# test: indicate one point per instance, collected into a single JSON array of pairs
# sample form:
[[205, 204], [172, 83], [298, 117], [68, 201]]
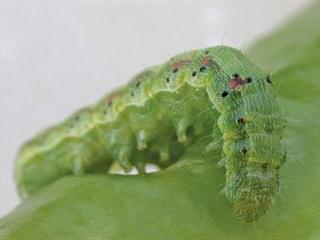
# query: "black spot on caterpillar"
[[269, 79], [224, 94], [155, 118]]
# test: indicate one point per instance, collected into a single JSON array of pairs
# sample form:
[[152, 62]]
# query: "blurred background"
[[57, 56]]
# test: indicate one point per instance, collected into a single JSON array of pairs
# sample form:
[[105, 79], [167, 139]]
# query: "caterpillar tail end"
[[250, 209]]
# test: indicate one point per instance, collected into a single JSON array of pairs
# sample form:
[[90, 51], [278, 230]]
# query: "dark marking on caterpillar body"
[[269, 79], [155, 118]]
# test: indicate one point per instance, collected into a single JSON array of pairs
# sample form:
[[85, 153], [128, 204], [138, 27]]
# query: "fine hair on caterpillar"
[[214, 96]]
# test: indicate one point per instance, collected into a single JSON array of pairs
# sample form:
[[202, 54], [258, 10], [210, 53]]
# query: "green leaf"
[[185, 201]]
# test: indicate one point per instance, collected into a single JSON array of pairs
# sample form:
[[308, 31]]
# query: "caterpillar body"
[[154, 119]]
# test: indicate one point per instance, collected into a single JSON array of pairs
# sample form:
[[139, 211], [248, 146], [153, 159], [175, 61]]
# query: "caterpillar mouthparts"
[[252, 207], [254, 195]]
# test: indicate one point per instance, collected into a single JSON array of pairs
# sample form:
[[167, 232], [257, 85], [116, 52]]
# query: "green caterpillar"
[[159, 114]]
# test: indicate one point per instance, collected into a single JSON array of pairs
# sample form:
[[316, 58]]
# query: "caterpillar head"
[[256, 187]]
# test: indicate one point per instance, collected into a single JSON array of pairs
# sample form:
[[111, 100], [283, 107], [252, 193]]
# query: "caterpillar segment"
[[214, 93], [252, 126]]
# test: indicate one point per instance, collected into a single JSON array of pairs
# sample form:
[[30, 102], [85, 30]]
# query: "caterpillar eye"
[[194, 73], [264, 165]]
